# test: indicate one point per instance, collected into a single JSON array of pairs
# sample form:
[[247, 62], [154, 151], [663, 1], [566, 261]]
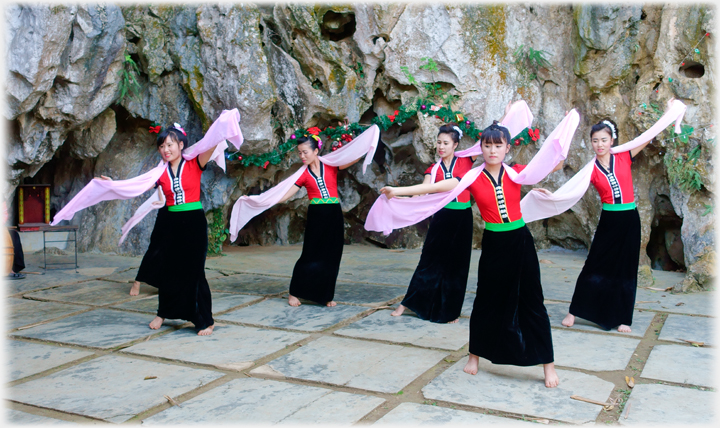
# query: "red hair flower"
[[314, 130]]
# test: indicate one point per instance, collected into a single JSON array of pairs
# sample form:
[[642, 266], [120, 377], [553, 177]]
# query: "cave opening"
[[692, 69], [665, 247], [337, 26]]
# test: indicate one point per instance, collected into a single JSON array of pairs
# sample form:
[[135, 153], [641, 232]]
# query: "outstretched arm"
[[419, 189], [637, 149], [293, 190], [204, 157], [350, 164]]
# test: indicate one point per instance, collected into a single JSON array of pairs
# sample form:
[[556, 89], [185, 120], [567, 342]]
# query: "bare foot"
[[293, 301], [454, 322], [330, 304], [551, 378], [569, 320], [472, 365], [624, 328], [206, 331], [156, 323], [399, 311], [135, 289]]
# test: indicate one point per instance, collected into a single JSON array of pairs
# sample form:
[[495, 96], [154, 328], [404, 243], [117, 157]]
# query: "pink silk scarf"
[[248, 207], [226, 127], [518, 118], [537, 205], [388, 214]]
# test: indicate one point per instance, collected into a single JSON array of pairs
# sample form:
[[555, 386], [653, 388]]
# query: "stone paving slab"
[[354, 363], [595, 352], [558, 310], [467, 306], [366, 294], [306, 317], [96, 293], [697, 329], [229, 347], [694, 303], [250, 284], [16, 417], [128, 275], [409, 329], [521, 390], [22, 312], [652, 405], [423, 414], [111, 387], [101, 328], [259, 401], [26, 359], [220, 302], [681, 364], [89, 269]]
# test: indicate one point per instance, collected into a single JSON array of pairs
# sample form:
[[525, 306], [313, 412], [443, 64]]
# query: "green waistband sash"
[[318, 201], [504, 227], [455, 205], [619, 207], [190, 206]]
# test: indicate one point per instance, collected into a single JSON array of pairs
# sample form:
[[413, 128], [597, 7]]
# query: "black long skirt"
[[316, 272], [150, 270], [605, 290], [184, 292], [509, 323], [437, 288]]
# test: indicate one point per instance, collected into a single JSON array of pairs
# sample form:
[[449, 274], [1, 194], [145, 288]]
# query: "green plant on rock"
[[217, 233], [129, 84], [529, 61]]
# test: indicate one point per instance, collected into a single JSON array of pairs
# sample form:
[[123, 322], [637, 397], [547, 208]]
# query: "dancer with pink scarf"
[[605, 290], [437, 288], [509, 323], [183, 293], [315, 273]]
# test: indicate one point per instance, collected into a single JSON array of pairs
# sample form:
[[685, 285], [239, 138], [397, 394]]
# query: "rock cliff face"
[[70, 116]]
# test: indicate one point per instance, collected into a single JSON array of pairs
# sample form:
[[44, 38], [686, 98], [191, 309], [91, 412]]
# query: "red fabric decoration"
[[155, 129], [314, 130]]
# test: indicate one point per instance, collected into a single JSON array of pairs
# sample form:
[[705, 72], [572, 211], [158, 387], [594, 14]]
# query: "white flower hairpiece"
[[460, 133], [612, 128], [179, 128]]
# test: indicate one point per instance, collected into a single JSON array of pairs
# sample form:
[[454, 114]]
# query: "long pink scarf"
[[248, 207], [518, 118], [536, 205], [388, 214], [226, 127]]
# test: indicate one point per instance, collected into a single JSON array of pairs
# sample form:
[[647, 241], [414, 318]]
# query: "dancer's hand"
[[158, 203], [670, 101], [541, 190], [102, 177], [388, 191]]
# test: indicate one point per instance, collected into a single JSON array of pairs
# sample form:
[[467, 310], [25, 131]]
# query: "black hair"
[[495, 134], [308, 140], [174, 134], [451, 131], [603, 126]]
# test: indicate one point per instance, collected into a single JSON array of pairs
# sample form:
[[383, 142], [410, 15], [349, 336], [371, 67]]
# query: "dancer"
[[437, 288], [315, 273], [605, 290], [183, 289], [509, 323], [316, 270], [184, 292]]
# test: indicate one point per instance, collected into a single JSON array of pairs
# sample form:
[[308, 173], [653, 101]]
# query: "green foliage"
[[408, 75], [528, 61], [708, 209], [359, 70], [217, 233], [129, 84]]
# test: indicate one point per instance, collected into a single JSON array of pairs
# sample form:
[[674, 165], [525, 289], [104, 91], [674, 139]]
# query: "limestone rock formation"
[[286, 66]]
